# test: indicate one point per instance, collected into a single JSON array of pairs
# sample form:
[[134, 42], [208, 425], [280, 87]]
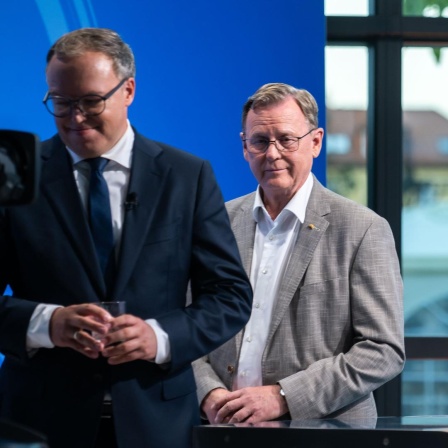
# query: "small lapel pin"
[[313, 227]]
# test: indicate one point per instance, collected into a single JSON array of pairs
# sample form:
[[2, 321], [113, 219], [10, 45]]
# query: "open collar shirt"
[[274, 241]]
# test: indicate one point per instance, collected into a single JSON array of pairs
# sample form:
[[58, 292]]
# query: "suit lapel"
[[244, 230], [243, 226], [147, 183], [59, 187], [312, 230]]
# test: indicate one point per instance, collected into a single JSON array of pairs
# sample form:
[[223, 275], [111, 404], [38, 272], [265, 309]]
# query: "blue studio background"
[[197, 62]]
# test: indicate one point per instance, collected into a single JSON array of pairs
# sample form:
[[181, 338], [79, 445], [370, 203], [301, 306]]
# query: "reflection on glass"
[[346, 7], [346, 100], [425, 8], [425, 388], [424, 222], [425, 192]]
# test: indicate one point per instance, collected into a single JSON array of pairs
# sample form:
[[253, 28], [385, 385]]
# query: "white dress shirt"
[[117, 174], [274, 240]]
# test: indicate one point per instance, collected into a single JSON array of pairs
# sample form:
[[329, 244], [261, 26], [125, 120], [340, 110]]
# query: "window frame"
[[385, 32]]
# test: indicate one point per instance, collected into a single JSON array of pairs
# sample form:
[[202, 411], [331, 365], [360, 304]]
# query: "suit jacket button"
[[230, 369]]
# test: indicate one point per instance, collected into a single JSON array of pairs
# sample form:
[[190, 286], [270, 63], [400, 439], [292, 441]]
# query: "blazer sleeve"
[[377, 352], [206, 378], [15, 314], [220, 289]]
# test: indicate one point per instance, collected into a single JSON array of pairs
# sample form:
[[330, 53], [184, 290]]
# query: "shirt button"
[[271, 237], [264, 271], [257, 305], [249, 339], [243, 373]]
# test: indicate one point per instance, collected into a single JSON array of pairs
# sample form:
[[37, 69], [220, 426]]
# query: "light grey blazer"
[[336, 332]]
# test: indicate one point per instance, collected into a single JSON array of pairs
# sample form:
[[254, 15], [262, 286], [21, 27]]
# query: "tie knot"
[[97, 163]]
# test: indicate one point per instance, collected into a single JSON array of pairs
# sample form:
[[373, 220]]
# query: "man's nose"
[[77, 114], [272, 151]]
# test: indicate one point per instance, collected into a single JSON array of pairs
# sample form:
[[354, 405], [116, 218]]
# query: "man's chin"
[[86, 147]]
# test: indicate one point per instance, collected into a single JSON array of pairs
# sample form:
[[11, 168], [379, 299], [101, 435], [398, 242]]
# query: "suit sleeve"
[[221, 291], [377, 352], [206, 378], [15, 314]]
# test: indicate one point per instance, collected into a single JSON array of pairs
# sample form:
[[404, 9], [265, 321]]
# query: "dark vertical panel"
[[385, 133], [385, 151]]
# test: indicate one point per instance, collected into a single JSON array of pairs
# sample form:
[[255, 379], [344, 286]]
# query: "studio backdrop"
[[197, 63]]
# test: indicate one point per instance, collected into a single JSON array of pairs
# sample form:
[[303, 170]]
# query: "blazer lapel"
[[147, 183], [243, 226], [59, 187], [313, 228]]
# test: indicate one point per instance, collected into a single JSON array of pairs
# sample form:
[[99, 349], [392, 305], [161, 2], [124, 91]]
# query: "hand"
[[129, 338], [209, 403], [71, 326], [251, 405]]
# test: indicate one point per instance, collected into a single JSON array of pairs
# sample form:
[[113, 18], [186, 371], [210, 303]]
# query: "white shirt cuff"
[[38, 334], [163, 343]]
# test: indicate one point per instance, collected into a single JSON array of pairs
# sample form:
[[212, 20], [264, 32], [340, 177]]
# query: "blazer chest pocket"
[[162, 233], [326, 301], [157, 257]]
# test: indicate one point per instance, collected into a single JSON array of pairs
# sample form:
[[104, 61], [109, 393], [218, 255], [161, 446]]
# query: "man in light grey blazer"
[[326, 327]]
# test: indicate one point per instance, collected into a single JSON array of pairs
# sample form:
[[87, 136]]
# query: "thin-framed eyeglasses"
[[287, 143], [88, 105]]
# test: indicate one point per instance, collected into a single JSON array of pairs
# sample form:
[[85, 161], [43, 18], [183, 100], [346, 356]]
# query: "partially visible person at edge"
[[175, 231], [326, 328]]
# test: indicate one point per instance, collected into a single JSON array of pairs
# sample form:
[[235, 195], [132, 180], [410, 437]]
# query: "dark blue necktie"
[[100, 217]]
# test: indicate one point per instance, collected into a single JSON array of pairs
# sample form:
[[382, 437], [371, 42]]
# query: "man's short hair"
[[101, 40], [276, 92]]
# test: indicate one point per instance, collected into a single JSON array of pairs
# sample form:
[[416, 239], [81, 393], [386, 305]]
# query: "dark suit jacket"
[[179, 232]]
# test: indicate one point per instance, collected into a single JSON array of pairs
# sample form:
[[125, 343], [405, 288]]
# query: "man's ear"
[[242, 137], [130, 91], [318, 136]]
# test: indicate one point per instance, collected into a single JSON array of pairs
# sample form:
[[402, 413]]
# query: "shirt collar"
[[297, 204], [120, 153]]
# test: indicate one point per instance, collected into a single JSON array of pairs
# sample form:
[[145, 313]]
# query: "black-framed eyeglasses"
[[287, 143], [88, 105]]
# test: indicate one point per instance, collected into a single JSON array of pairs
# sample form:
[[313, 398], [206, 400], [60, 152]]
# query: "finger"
[[226, 411], [86, 351], [117, 348], [124, 320], [74, 317], [222, 401], [85, 340], [240, 416], [91, 325], [126, 330], [130, 350], [115, 337], [90, 309], [122, 357]]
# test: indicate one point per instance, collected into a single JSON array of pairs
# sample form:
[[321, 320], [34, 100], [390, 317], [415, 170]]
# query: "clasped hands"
[[248, 405], [120, 339]]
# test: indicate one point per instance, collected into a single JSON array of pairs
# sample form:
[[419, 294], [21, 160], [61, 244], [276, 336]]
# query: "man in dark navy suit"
[[167, 228]]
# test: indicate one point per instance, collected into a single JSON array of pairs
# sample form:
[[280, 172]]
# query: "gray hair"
[[101, 40], [274, 93]]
